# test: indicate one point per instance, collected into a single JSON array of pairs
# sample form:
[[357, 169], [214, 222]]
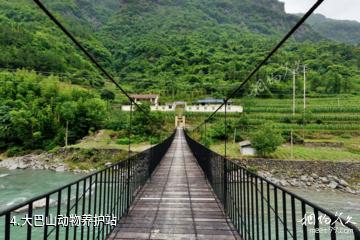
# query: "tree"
[[67, 113], [107, 95], [266, 140]]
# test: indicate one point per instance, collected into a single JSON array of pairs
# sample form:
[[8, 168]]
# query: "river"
[[16, 186], [19, 185]]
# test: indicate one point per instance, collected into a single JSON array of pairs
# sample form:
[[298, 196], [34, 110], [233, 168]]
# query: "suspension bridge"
[[178, 189]]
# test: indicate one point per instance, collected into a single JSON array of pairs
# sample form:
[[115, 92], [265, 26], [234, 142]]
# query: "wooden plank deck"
[[177, 203]]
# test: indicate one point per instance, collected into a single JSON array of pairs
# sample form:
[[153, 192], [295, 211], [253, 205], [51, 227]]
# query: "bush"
[[253, 169], [15, 151], [285, 120], [154, 140], [206, 141], [297, 139], [134, 140], [266, 140]]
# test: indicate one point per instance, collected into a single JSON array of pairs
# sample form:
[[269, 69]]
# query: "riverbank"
[[313, 175], [78, 160]]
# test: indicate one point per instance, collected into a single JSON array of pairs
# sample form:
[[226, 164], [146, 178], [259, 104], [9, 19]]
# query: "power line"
[[91, 58], [265, 60]]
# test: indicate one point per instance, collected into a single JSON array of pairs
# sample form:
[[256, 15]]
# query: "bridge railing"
[[260, 209], [88, 208]]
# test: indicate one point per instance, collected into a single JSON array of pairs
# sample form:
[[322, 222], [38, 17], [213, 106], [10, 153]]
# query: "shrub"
[[266, 140], [15, 151], [253, 169]]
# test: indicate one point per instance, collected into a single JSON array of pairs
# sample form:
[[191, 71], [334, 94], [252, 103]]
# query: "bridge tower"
[[180, 121]]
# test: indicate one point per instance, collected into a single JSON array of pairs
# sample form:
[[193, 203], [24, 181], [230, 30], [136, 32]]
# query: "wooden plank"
[[176, 203]]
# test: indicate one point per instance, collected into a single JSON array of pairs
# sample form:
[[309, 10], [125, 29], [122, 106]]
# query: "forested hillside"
[[181, 48], [172, 46], [338, 30]]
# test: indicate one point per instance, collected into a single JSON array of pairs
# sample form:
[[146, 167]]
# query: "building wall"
[[247, 151], [211, 108], [191, 108]]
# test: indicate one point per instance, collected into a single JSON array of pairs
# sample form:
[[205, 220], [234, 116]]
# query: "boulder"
[[314, 176], [13, 166], [108, 164], [333, 185], [324, 180], [333, 178], [61, 168], [349, 190], [304, 178], [294, 183], [284, 183], [343, 183]]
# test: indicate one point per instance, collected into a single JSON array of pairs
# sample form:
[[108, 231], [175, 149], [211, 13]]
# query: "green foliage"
[[266, 140], [29, 40], [223, 41], [15, 151], [339, 30], [253, 169], [107, 95], [134, 140], [34, 110], [217, 131]]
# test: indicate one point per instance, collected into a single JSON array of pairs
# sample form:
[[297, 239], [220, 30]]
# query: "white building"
[[152, 98], [201, 106], [246, 149]]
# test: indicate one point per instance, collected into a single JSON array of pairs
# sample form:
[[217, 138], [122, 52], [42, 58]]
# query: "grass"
[[232, 149], [315, 154], [334, 119], [348, 153], [106, 139]]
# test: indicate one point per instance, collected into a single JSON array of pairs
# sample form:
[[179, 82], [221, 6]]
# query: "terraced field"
[[328, 129]]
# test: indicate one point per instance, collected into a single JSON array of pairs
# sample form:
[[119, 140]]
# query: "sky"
[[337, 9]]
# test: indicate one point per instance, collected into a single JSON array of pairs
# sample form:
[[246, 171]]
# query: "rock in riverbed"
[[333, 185]]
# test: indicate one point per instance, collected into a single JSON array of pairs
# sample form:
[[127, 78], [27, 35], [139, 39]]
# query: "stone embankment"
[[44, 161], [315, 175], [59, 160]]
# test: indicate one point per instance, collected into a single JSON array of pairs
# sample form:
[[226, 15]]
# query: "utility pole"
[[304, 87], [235, 135], [294, 91], [292, 145]]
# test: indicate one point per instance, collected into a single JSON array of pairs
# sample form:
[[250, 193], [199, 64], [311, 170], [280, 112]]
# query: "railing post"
[[225, 180], [7, 226], [206, 130], [128, 160]]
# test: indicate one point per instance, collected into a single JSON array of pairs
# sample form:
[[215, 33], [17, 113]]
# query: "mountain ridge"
[[344, 31], [163, 45]]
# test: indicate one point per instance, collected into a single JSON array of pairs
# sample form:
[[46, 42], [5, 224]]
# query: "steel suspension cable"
[[91, 58]]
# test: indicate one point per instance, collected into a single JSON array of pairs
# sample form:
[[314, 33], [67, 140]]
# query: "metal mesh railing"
[[87, 208], [260, 209]]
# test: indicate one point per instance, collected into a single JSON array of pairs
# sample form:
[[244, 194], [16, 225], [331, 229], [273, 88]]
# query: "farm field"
[[329, 128]]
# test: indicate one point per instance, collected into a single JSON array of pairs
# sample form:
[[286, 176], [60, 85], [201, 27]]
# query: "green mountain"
[[183, 49], [173, 46], [339, 30]]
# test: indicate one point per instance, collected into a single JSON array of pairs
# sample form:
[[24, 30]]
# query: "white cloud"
[[337, 9]]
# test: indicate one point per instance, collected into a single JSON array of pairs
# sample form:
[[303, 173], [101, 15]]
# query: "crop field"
[[323, 124]]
